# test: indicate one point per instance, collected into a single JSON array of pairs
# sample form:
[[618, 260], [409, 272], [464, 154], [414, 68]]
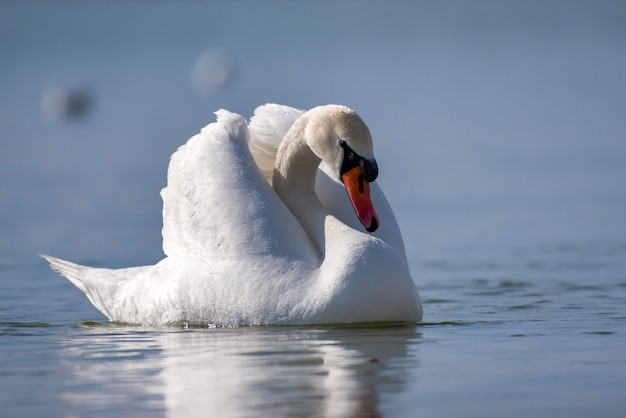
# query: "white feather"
[[268, 127]]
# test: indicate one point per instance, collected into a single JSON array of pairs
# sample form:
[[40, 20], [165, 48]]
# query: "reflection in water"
[[274, 371]]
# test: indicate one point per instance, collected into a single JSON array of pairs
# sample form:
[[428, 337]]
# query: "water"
[[499, 133]]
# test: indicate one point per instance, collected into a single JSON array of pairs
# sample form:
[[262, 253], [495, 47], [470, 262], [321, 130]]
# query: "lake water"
[[500, 134]]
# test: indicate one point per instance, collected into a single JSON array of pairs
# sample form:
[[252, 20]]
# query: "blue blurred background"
[[497, 125]]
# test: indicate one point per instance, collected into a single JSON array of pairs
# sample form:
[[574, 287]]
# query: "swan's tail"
[[73, 272], [100, 285]]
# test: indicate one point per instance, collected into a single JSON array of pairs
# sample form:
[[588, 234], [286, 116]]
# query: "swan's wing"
[[332, 194], [268, 127], [217, 205]]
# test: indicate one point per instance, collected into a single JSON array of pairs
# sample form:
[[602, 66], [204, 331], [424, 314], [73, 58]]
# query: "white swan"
[[239, 252]]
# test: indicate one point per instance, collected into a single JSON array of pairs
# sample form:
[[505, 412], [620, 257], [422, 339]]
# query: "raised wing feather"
[[268, 127], [218, 205]]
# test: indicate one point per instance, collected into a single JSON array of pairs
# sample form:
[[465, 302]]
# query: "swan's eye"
[[351, 159]]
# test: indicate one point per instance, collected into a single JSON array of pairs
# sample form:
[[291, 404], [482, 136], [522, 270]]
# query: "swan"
[[276, 221]]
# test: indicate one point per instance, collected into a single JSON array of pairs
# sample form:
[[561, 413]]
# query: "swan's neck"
[[294, 181]]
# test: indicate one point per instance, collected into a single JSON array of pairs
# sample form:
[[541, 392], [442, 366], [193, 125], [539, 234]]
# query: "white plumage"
[[240, 252]]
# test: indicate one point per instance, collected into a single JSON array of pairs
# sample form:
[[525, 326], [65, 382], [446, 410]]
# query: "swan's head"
[[340, 138]]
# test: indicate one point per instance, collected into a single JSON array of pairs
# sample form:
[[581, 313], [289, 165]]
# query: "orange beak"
[[359, 192]]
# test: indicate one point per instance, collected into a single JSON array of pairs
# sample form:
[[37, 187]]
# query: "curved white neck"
[[294, 181]]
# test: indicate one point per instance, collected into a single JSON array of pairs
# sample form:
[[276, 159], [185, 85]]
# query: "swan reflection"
[[330, 372]]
